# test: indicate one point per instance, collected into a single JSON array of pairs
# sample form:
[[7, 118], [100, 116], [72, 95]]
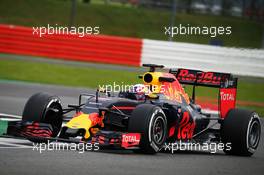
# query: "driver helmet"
[[139, 91]]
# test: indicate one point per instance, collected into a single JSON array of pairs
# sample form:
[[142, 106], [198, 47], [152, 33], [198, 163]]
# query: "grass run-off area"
[[123, 20], [250, 91]]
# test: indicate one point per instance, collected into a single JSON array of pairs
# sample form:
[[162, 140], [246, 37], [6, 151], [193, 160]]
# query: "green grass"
[[3, 127], [62, 75], [126, 20], [92, 77]]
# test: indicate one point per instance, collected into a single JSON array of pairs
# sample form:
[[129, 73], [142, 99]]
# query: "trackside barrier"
[[92, 48], [249, 62], [133, 52]]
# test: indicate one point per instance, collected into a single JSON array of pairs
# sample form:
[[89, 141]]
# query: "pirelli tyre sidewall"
[[241, 128], [38, 109], [150, 121]]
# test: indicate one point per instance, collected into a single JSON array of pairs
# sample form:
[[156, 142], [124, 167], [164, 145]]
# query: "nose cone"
[[81, 121]]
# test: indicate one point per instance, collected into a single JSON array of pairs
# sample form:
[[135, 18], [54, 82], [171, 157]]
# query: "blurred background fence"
[[252, 9], [131, 51]]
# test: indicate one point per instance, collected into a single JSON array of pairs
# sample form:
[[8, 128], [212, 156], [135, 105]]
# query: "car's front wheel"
[[44, 108], [150, 121]]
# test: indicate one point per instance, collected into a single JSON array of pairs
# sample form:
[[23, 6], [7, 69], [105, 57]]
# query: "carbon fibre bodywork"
[[168, 113]]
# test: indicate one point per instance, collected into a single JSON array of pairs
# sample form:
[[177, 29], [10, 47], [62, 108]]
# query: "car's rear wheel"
[[150, 121], [242, 129], [44, 108]]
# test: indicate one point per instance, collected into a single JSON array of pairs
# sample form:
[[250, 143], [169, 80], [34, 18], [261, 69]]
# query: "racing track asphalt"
[[19, 160]]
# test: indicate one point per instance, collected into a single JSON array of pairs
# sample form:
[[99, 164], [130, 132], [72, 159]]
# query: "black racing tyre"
[[45, 108], [150, 121], [242, 129]]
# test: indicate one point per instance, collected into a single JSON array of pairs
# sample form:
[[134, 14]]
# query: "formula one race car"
[[145, 120]]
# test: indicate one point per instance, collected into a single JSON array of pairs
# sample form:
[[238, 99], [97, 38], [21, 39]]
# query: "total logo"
[[227, 97], [131, 138]]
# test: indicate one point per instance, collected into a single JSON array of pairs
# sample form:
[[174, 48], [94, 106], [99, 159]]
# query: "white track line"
[[9, 117], [13, 145], [14, 140]]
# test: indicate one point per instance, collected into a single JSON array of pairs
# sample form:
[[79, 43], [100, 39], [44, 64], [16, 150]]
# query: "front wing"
[[42, 132]]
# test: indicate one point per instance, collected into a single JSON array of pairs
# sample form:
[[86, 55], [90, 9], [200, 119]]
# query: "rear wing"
[[226, 83]]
